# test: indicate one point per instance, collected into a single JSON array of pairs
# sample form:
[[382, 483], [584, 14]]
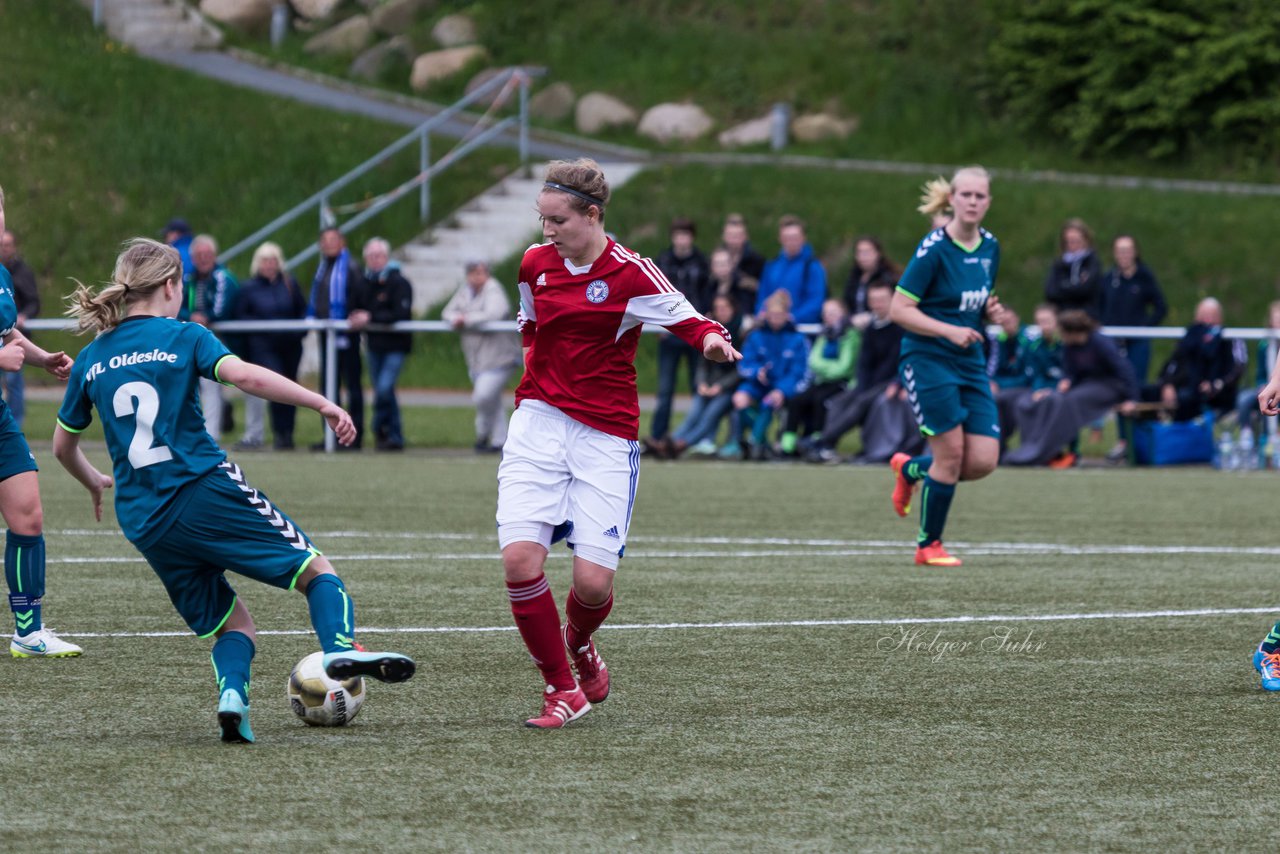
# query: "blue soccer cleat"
[[1268, 665], [233, 718], [383, 666]]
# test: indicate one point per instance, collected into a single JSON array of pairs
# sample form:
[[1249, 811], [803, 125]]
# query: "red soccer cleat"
[[934, 554], [903, 489], [593, 676], [559, 708]]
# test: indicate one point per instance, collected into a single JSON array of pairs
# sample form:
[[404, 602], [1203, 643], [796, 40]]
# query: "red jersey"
[[581, 328]]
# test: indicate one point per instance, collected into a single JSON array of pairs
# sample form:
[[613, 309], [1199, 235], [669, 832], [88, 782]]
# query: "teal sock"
[[24, 573], [1272, 640], [232, 656], [933, 509], [332, 614], [916, 468]]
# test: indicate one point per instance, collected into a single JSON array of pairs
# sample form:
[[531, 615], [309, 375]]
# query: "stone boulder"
[[454, 31], [596, 111], [754, 132], [815, 127], [370, 64], [394, 17], [441, 64], [679, 122], [241, 14], [351, 36], [314, 10], [553, 103]]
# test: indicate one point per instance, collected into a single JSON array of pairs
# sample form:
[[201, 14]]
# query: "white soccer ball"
[[319, 700]]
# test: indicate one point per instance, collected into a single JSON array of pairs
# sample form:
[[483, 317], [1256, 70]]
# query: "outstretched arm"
[[261, 382], [66, 447], [59, 363]]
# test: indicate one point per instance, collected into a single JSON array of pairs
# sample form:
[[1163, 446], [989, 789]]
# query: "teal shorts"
[[945, 395], [15, 453], [226, 525]]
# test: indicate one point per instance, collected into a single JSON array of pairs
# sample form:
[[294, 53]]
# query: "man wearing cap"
[[491, 356]]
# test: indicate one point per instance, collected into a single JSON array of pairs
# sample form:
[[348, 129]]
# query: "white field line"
[[762, 624]]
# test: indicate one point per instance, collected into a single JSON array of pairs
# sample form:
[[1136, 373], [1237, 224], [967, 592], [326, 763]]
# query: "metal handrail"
[[420, 135]]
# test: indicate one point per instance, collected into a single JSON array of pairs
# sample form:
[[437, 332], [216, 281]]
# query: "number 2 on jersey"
[[141, 452]]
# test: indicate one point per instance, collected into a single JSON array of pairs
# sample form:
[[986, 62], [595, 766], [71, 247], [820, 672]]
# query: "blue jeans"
[[671, 350], [384, 370], [703, 421], [14, 392]]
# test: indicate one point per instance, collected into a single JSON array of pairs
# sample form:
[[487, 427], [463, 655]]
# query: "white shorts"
[[556, 470]]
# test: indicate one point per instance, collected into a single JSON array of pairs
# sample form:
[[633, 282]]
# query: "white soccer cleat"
[[42, 643]]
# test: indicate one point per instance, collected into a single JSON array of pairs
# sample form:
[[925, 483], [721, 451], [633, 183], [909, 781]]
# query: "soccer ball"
[[319, 700]]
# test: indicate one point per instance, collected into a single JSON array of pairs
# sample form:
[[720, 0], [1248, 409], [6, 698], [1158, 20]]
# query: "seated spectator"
[[1248, 417], [26, 296], [797, 271], [209, 295], [1204, 371], [727, 281], [1075, 277], [747, 262], [875, 377], [1042, 364], [492, 357], [832, 359], [870, 265], [686, 269], [1095, 379], [388, 298], [1006, 350], [271, 294], [713, 400], [774, 358]]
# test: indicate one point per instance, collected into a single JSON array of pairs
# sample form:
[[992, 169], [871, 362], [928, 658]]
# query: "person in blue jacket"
[[774, 360], [797, 271]]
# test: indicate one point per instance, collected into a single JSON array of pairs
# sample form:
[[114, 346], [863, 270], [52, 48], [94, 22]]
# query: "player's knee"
[[28, 521], [523, 561], [977, 469]]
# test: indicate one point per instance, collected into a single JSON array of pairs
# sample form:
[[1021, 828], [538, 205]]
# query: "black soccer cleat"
[[383, 666]]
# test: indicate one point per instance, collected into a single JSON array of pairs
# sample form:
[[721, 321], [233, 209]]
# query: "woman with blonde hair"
[[271, 294], [186, 507], [24, 562], [942, 300]]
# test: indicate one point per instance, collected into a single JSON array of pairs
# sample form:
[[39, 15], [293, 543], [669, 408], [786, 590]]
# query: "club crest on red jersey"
[[598, 291]]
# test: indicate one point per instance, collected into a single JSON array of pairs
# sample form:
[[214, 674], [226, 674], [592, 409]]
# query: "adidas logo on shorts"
[[613, 532]]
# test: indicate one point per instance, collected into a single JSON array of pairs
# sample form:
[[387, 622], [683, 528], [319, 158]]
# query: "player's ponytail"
[[935, 195], [141, 269]]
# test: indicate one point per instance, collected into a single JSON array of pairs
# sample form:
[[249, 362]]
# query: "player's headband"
[[591, 200]]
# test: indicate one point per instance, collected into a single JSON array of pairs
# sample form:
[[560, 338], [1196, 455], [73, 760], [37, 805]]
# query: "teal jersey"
[[8, 308], [951, 284], [143, 378]]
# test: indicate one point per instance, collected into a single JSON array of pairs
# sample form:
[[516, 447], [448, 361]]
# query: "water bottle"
[[1248, 453], [1224, 458]]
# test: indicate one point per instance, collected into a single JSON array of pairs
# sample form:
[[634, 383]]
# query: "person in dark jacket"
[[727, 281], [388, 298], [271, 294], [1205, 369], [714, 399], [747, 262], [209, 295], [26, 295], [870, 266], [1096, 378], [1075, 277], [686, 268], [337, 289]]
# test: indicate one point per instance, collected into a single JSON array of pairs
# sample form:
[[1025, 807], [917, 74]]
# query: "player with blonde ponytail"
[[179, 500], [942, 299]]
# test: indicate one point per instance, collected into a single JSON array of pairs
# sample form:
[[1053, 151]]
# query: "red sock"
[[583, 620], [538, 620]]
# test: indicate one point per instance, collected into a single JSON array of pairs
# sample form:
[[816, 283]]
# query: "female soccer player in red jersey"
[[571, 460]]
